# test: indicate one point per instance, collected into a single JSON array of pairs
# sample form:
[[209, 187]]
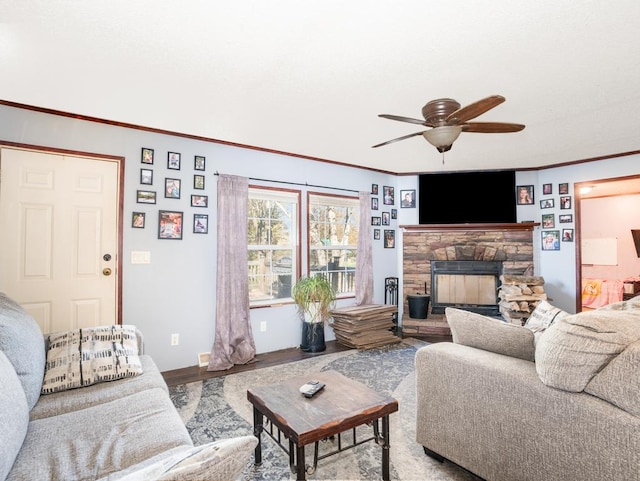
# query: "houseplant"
[[314, 297]]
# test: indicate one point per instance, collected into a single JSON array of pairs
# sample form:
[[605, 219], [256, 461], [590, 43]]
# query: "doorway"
[[61, 224], [612, 191]]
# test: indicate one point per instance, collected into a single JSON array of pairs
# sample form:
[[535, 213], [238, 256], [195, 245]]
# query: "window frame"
[[293, 196], [346, 199]]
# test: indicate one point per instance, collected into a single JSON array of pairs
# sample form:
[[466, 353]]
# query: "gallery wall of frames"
[[171, 223]]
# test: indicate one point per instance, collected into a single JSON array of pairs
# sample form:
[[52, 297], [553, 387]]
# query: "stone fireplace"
[[489, 250]]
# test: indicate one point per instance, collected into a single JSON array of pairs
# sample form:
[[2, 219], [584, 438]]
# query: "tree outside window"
[[333, 223]]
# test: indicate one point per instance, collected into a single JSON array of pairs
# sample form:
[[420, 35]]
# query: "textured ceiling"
[[311, 77]]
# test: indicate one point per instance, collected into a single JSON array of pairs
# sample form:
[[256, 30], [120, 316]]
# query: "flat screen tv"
[[467, 198]]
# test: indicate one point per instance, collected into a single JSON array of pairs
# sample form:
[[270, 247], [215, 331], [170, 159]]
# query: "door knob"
[[106, 271]]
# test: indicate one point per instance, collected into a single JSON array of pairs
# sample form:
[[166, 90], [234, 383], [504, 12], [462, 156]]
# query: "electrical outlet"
[[203, 359], [175, 339], [263, 326]]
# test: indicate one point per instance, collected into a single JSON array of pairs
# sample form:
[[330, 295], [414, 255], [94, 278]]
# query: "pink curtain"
[[364, 258], [233, 342]]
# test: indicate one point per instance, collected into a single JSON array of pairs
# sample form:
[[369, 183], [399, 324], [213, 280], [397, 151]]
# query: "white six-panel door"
[[58, 220]]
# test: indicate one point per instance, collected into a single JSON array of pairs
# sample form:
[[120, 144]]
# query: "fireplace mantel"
[[521, 226]]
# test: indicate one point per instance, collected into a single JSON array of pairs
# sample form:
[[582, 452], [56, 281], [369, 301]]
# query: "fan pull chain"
[[442, 158]]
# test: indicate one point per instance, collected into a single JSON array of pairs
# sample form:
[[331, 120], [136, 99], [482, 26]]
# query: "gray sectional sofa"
[[107, 429], [560, 405]]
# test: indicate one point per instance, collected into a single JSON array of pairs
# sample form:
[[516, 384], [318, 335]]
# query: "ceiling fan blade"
[[396, 140], [471, 111], [402, 119], [491, 127]]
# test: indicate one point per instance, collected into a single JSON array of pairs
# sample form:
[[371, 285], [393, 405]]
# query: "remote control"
[[311, 388]]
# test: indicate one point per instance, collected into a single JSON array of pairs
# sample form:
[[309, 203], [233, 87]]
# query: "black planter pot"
[[313, 337]]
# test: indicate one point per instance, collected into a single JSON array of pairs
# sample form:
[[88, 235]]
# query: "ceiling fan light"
[[442, 137]]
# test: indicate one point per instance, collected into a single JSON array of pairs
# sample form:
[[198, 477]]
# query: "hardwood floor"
[[268, 359]]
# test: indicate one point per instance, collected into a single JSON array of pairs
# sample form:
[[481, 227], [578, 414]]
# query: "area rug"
[[218, 408]]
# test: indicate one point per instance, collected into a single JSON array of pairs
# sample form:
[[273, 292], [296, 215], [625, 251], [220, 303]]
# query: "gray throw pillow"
[[574, 349], [542, 317], [22, 342], [489, 334], [619, 382]]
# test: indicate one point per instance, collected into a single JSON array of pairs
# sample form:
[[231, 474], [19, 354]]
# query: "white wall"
[[176, 292]]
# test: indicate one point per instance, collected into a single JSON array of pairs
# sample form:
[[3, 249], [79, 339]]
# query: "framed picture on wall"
[[550, 240], [198, 182], [394, 213], [388, 195], [408, 199], [199, 200], [137, 220], [172, 188], [386, 218], [548, 221], [565, 218], [146, 156], [146, 176], [567, 235], [563, 188], [525, 195], [146, 197], [173, 161], [375, 220], [374, 189], [199, 162], [389, 238], [565, 202], [374, 203], [376, 234], [547, 203], [170, 224], [547, 189], [200, 223]]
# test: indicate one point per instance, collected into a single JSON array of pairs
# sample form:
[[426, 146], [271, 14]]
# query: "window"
[[333, 239], [273, 244]]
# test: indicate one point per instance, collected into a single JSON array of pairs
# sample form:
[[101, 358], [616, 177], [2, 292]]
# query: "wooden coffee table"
[[343, 405]]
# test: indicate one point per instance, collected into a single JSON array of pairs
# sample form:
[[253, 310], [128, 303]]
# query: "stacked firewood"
[[519, 296], [366, 326]]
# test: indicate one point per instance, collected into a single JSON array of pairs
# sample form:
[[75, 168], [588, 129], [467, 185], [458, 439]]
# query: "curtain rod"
[[297, 183]]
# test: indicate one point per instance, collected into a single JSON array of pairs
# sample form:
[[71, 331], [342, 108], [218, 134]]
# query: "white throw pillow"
[[91, 355]]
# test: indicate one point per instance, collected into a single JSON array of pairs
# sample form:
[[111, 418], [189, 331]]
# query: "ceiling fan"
[[447, 120]]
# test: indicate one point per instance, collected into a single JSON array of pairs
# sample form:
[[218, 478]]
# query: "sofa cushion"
[[82, 357], [542, 317], [220, 460], [92, 443], [489, 334], [22, 342], [66, 401], [619, 382], [575, 348], [14, 415]]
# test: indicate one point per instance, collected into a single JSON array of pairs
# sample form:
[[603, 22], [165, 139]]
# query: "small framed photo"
[[565, 218], [374, 203], [565, 202], [547, 203], [172, 188], [386, 218], [389, 238], [567, 235], [146, 197], [199, 200], [146, 176], [169, 224], [550, 240], [137, 220], [173, 161], [376, 234], [394, 213], [388, 195], [547, 189], [376, 221], [374, 189], [146, 156], [198, 182], [200, 223], [199, 162], [548, 221], [408, 199], [563, 188], [525, 195]]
